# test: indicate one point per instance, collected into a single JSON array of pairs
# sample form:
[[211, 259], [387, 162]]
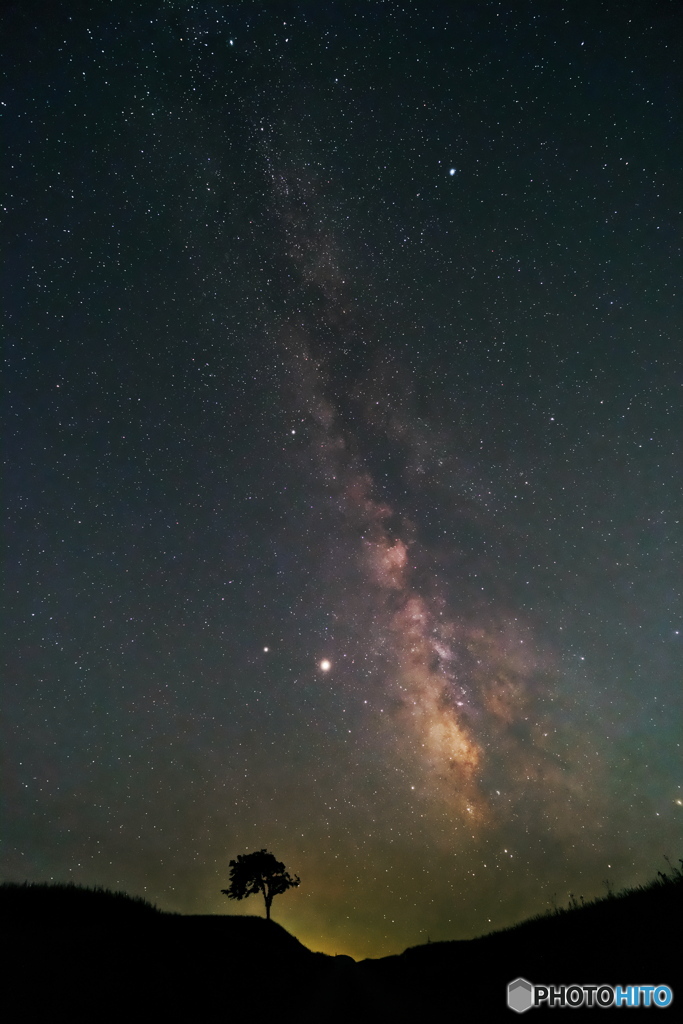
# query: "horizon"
[[343, 427], [673, 876]]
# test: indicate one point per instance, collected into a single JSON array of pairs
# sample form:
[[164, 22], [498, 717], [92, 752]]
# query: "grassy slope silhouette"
[[634, 937], [104, 955]]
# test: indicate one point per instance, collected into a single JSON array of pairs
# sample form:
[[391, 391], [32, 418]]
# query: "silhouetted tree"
[[258, 872]]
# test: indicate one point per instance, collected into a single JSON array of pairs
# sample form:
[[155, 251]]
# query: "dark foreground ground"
[[99, 956]]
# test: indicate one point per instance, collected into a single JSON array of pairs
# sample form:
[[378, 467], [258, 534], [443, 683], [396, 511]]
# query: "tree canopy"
[[258, 872]]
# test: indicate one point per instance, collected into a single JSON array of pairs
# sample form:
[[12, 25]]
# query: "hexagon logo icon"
[[520, 995]]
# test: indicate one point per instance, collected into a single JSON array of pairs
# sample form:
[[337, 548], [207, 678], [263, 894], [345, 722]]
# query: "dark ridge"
[[633, 937], [645, 904], [109, 956], [51, 903]]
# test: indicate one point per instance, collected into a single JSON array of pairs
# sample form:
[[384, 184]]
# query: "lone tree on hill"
[[258, 872]]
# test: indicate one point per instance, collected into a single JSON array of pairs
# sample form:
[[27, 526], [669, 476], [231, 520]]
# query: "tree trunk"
[[268, 902]]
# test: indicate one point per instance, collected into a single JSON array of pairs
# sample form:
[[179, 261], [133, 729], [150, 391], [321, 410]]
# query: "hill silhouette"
[[107, 956], [634, 937], [41, 904]]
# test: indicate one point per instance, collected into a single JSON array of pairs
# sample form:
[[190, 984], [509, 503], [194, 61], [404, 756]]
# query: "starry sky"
[[343, 455]]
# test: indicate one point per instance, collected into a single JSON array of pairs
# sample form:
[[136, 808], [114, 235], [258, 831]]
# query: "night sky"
[[343, 428]]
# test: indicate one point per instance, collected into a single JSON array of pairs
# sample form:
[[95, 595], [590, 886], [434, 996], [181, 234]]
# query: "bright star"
[[325, 665]]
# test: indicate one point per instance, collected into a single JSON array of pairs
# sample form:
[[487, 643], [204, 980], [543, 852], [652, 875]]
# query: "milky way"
[[469, 696]]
